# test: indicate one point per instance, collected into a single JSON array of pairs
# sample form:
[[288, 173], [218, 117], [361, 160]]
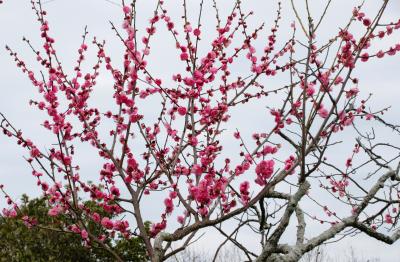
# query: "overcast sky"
[[67, 21]]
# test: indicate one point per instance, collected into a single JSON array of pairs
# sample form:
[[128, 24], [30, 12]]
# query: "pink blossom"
[[196, 32], [96, 217], [84, 234], [388, 219], [9, 212], [193, 141], [75, 229], [338, 80], [289, 163], [322, 112], [264, 170], [182, 110], [184, 56], [203, 211], [126, 9], [55, 211], [157, 227], [364, 57], [107, 223], [244, 192], [197, 170], [188, 28], [115, 191], [44, 186], [35, 152], [269, 150], [392, 51], [169, 205], [349, 162], [380, 54], [366, 21], [310, 91], [352, 92], [181, 219], [121, 225], [369, 116]]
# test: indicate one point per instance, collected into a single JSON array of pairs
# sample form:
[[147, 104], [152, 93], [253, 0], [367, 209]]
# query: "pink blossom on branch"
[[264, 171]]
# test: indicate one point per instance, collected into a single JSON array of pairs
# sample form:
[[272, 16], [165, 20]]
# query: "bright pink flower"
[[182, 110], [41, 105], [349, 120], [188, 28], [392, 51], [45, 186], [244, 192], [126, 9], [184, 56], [107, 223], [388, 219], [349, 162], [196, 32], [181, 219], [13, 213], [115, 191], [193, 141], [338, 80], [364, 57], [352, 92], [380, 54], [157, 227], [55, 211], [289, 164], [264, 170], [84, 234], [366, 21], [35, 152], [96, 217], [310, 91], [203, 211], [173, 194], [75, 229], [169, 205], [369, 116], [67, 160], [121, 225], [322, 112], [269, 150], [9, 212], [197, 170]]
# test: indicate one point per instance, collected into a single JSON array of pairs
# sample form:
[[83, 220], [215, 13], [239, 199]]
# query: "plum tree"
[[173, 140]]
